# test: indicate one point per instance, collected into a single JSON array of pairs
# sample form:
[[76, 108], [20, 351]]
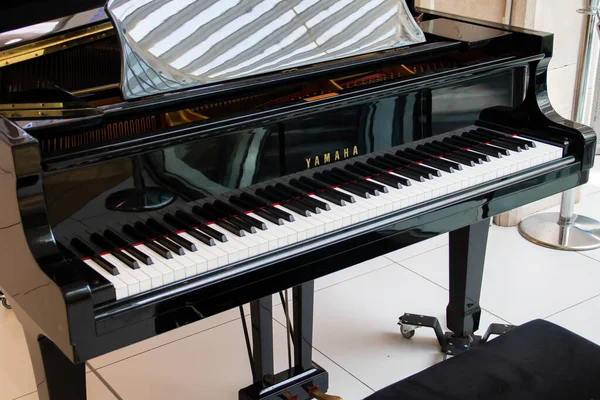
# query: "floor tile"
[[418, 248], [522, 281], [165, 338], [95, 390], [210, 365], [581, 319], [16, 372], [356, 324], [343, 275]]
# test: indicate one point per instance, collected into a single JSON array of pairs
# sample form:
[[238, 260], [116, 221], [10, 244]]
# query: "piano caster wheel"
[[5, 304], [407, 331]]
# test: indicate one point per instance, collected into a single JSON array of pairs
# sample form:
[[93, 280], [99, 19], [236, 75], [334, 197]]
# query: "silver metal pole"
[[566, 230]]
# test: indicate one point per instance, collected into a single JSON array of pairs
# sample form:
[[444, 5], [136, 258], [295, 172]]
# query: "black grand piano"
[[161, 162]]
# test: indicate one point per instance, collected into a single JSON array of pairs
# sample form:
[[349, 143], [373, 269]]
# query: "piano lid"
[[170, 45]]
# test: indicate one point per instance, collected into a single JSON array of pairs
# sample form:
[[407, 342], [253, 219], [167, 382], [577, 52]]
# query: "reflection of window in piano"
[[459, 106]]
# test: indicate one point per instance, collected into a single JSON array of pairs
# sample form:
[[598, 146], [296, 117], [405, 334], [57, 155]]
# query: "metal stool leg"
[[564, 230]]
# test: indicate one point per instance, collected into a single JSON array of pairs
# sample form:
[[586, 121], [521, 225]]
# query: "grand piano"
[[165, 161]]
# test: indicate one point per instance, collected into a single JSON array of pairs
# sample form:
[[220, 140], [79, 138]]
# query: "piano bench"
[[538, 360]]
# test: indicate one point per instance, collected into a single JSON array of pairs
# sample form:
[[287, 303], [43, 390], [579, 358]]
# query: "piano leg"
[[306, 379], [303, 324], [57, 378], [262, 339], [463, 313], [467, 257]]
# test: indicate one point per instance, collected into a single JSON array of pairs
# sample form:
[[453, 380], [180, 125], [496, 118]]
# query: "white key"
[[234, 242], [166, 272], [233, 252], [171, 263], [121, 288], [132, 283], [156, 278], [209, 258], [285, 235], [303, 229], [272, 239]]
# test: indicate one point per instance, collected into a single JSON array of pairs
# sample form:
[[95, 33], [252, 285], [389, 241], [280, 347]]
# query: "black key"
[[257, 210], [458, 151], [296, 193], [383, 174], [290, 205], [82, 248], [131, 250], [480, 148], [89, 252], [382, 163], [475, 143], [240, 214], [200, 225], [384, 177], [495, 142], [450, 156], [397, 161], [142, 237], [324, 194], [273, 210], [347, 180], [300, 203], [423, 161], [335, 182], [478, 158], [230, 218], [159, 238], [153, 233], [106, 245], [245, 225], [418, 165], [525, 144], [218, 221], [189, 229], [404, 171], [171, 235], [444, 165], [400, 162], [360, 179], [318, 186]]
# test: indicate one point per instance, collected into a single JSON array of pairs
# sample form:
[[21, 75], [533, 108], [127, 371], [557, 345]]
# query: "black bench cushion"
[[538, 360]]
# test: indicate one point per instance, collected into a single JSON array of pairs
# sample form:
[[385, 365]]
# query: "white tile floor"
[[356, 310]]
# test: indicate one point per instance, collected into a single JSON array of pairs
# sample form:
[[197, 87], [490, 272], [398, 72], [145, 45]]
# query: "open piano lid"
[[170, 45]]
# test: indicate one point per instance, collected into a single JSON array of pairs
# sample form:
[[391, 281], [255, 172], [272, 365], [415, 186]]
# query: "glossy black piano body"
[[46, 194]]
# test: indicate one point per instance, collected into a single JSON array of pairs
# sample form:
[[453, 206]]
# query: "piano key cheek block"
[[152, 176]]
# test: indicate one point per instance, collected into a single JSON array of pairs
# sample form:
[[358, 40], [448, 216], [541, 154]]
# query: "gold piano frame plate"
[[55, 43]]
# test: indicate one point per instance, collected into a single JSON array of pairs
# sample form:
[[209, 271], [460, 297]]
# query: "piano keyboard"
[[145, 254]]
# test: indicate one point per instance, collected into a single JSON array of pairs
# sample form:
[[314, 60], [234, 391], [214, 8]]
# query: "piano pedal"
[[451, 345], [318, 395]]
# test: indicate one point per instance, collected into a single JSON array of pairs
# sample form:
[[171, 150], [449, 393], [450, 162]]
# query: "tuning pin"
[[317, 394]]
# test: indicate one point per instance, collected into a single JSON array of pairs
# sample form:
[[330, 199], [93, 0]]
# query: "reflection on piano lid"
[[171, 45]]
